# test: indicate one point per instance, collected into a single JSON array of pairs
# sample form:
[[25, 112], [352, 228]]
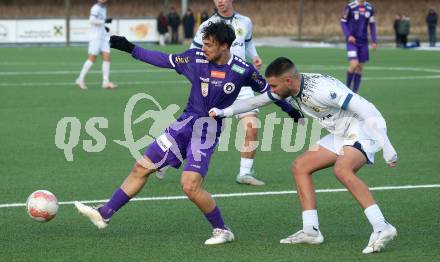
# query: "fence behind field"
[[274, 17]]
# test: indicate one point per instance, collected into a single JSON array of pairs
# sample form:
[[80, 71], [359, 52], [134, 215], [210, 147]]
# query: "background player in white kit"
[[242, 47], [98, 43], [357, 131]]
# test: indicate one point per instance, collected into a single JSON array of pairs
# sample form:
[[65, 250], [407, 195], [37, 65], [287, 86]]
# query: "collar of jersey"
[[226, 18], [301, 87]]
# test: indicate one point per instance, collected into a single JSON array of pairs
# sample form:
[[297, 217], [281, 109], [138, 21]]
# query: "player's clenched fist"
[[121, 43]]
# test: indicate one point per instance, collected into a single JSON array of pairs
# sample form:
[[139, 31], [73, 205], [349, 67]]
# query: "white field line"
[[73, 72], [157, 70], [269, 193], [153, 82]]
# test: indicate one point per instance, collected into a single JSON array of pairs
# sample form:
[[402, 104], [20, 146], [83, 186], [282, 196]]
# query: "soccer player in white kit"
[[242, 47], [357, 131], [98, 43]]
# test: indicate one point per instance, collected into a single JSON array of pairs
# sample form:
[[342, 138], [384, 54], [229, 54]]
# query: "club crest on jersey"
[[205, 89], [228, 88], [218, 74], [367, 14], [356, 15], [239, 31], [333, 95]]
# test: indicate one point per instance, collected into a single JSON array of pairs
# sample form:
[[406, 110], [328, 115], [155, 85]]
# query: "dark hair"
[[220, 31], [279, 66]]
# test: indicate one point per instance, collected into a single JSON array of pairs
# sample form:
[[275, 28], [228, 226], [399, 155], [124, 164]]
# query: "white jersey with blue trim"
[[242, 26], [326, 99], [98, 14]]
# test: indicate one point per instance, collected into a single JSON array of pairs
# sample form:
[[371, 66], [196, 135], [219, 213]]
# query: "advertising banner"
[[41, 31], [7, 31], [139, 30], [80, 28]]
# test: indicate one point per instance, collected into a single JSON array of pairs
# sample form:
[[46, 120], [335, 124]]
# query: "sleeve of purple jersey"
[[372, 21], [155, 58], [344, 21], [256, 81]]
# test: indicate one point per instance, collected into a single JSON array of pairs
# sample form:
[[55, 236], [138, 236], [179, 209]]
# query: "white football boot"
[[161, 173], [81, 84], [301, 237], [92, 214], [220, 236], [378, 240], [249, 179]]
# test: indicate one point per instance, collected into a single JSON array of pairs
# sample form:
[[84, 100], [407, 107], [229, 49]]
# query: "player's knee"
[[341, 171], [298, 167], [251, 133], [190, 189], [140, 170]]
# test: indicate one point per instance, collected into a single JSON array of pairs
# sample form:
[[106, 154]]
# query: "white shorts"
[[356, 138], [245, 93], [99, 45]]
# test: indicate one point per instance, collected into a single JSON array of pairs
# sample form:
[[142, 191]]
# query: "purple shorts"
[[358, 51], [192, 138]]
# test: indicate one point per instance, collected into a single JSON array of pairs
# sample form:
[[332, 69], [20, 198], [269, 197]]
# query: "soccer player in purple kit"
[[358, 15], [217, 77]]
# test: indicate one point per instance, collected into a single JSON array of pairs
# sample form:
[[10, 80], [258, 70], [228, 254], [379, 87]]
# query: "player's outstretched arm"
[[242, 106], [155, 58], [375, 125]]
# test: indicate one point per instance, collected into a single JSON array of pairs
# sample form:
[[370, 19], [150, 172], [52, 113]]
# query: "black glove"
[[107, 29], [108, 20], [121, 43], [295, 114]]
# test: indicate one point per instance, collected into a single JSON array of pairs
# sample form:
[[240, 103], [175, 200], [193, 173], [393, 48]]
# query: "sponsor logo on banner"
[[58, 30], [204, 79], [218, 74], [3, 32], [205, 89], [228, 88], [238, 69], [140, 30]]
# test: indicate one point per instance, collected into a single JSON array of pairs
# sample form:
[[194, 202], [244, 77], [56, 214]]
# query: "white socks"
[[310, 222], [376, 218], [373, 213], [105, 71], [85, 69], [246, 166]]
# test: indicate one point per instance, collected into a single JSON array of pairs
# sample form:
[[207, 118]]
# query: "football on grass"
[[42, 205]]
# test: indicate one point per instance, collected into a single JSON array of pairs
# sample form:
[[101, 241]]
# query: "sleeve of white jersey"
[[94, 14], [374, 125], [246, 105], [251, 51], [198, 40]]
